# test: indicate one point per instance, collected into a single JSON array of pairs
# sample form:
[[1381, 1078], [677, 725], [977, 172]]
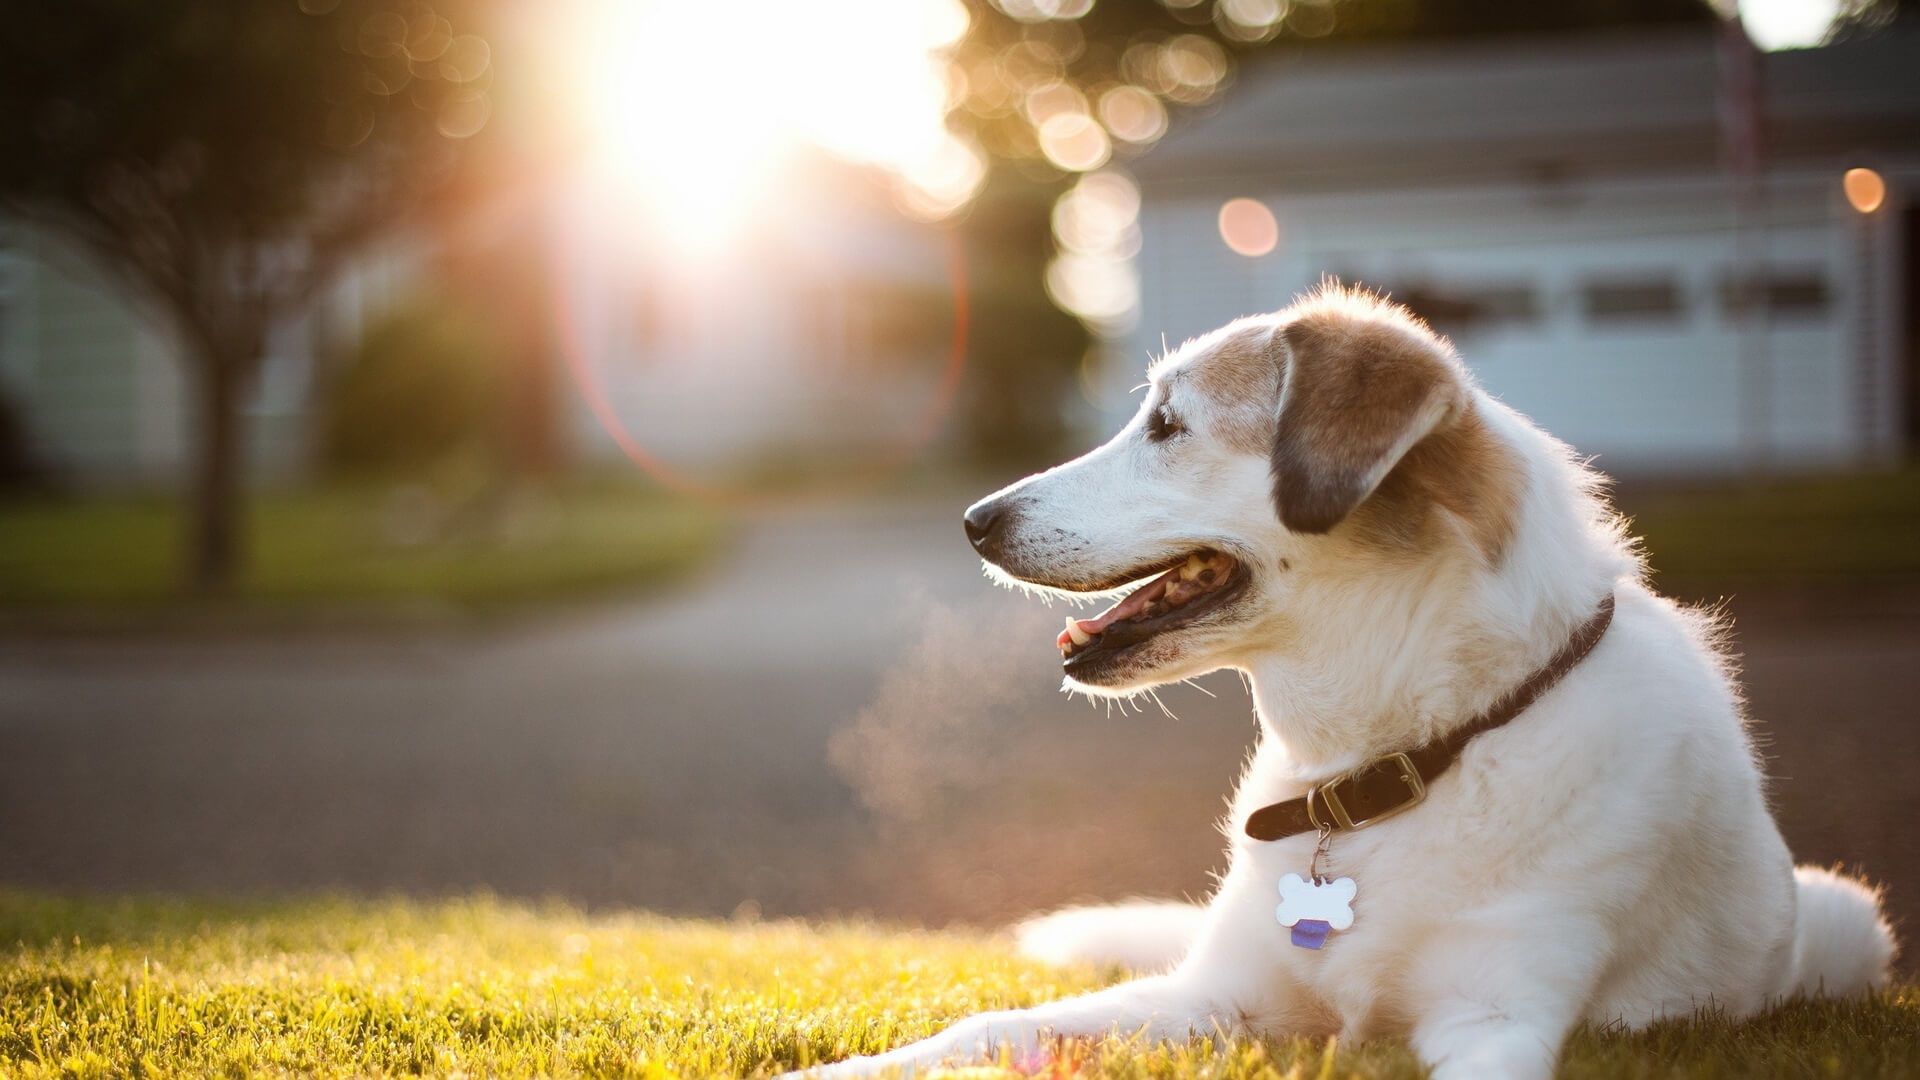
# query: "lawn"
[[1861, 527], [359, 549], [481, 987]]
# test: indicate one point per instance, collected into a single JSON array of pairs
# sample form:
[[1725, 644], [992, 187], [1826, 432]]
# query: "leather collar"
[[1386, 786]]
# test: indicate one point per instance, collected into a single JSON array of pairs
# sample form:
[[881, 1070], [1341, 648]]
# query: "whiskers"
[[1046, 594], [1131, 699]]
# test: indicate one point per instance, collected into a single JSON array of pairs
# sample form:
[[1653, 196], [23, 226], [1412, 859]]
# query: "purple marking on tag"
[[1310, 933]]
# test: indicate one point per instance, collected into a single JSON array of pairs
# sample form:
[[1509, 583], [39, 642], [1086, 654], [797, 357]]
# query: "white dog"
[[1324, 500]]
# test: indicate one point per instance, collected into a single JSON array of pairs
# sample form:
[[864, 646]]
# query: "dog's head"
[[1277, 460]]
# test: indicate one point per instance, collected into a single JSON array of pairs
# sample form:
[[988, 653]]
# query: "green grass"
[[485, 988], [358, 548], [1855, 527]]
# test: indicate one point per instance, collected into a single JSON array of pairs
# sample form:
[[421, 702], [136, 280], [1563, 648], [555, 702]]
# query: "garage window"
[[1636, 300], [1464, 310], [1790, 294]]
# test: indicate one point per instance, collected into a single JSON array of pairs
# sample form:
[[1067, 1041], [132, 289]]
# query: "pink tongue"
[[1129, 606]]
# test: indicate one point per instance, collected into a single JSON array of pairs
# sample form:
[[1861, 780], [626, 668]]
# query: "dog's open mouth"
[[1176, 597]]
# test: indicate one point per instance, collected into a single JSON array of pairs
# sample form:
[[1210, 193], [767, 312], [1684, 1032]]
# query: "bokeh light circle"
[[1133, 114], [1248, 227], [1250, 20], [875, 470], [1096, 227], [1074, 143], [1865, 189]]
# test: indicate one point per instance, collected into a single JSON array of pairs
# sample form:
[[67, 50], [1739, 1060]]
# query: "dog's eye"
[[1163, 425]]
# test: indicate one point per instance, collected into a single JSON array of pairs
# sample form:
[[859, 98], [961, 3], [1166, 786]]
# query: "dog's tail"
[[1140, 935], [1842, 944]]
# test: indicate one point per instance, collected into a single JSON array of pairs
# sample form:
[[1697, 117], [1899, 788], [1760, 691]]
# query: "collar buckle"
[[1374, 792]]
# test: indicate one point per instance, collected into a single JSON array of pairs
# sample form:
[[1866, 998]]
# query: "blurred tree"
[[224, 160], [1031, 70], [1023, 352], [20, 470]]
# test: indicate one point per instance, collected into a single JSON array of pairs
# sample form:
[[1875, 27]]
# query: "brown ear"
[[1364, 382]]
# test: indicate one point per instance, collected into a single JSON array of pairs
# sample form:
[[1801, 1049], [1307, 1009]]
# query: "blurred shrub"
[[423, 394], [1023, 353]]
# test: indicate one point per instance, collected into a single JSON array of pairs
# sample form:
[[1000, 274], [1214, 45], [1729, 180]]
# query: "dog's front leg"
[[1159, 1008], [1496, 1003], [1466, 1040]]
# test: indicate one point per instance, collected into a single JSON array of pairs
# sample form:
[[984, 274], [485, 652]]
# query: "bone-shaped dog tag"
[[1313, 908]]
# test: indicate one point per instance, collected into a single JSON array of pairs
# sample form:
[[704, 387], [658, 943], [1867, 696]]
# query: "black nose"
[[983, 526]]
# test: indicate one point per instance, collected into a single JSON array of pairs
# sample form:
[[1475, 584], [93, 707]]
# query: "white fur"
[[1143, 935], [1839, 940], [1607, 857]]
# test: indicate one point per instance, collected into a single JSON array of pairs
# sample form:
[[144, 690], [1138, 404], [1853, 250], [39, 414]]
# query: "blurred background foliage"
[[1063, 86], [424, 387], [1024, 352]]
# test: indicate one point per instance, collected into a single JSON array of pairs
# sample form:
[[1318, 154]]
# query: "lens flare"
[[1248, 227], [568, 257]]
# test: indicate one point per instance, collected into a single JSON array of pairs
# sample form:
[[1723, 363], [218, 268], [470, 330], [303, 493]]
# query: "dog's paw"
[[845, 1069], [893, 1065]]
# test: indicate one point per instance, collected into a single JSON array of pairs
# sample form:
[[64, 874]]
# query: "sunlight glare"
[[1788, 24], [699, 106]]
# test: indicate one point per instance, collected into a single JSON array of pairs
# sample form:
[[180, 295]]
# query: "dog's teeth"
[[1195, 564], [1075, 634]]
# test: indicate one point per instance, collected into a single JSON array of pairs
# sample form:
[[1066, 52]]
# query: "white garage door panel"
[[1679, 393]]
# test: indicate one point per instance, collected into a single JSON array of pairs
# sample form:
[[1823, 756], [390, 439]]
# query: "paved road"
[[841, 717], [672, 753]]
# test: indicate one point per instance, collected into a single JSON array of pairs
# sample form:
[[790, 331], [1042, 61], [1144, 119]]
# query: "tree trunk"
[[215, 533]]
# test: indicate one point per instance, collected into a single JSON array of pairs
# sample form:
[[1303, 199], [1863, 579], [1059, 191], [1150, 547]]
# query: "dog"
[[1501, 787]]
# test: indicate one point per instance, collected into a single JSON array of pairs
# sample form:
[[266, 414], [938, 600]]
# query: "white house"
[[828, 335], [98, 380], [1562, 210]]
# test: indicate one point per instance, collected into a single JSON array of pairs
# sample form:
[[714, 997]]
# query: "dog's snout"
[[985, 525]]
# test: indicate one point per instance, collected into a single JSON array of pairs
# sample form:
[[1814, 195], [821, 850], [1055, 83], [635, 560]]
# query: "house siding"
[[1696, 389]]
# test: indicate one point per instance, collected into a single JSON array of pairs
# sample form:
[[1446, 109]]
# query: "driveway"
[[841, 717]]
